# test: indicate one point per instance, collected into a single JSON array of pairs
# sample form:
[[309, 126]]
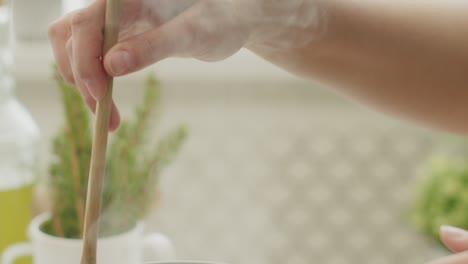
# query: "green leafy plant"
[[442, 199], [134, 165]]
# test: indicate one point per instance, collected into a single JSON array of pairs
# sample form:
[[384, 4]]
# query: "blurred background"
[[275, 169]]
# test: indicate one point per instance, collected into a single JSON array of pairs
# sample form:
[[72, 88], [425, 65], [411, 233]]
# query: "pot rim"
[[35, 232]]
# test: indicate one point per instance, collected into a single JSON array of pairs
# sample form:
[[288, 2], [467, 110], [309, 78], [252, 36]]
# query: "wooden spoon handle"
[[101, 131]]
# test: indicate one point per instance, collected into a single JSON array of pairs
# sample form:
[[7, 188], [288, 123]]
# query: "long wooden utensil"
[[101, 131]]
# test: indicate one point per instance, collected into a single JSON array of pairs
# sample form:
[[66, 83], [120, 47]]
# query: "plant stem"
[[76, 181], [57, 224]]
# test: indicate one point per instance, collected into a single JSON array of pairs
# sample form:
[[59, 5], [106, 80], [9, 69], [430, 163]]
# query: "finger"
[[198, 31], [139, 52], [460, 258], [59, 34], [89, 100], [115, 118], [87, 39], [454, 238]]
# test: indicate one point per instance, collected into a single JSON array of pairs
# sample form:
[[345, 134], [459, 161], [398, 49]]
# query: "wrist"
[[278, 24]]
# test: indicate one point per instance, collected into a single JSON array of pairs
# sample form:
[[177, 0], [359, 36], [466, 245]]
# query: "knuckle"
[[90, 102], [53, 30], [79, 18], [68, 77], [83, 74], [67, 74]]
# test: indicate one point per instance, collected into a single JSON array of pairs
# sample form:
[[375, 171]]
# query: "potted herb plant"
[[442, 198], [133, 169]]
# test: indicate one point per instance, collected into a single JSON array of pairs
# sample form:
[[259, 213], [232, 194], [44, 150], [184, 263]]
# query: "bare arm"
[[405, 57]]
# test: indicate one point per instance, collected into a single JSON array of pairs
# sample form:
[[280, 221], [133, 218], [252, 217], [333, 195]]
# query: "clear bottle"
[[19, 142]]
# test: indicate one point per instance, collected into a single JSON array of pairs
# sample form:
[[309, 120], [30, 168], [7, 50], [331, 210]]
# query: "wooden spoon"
[[101, 131]]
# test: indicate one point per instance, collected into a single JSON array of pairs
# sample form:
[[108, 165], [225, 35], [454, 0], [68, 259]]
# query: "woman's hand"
[[395, 55], [152, 30], [457, 240]]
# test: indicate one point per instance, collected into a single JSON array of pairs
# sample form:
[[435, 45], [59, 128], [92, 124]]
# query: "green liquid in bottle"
[[15, 215]]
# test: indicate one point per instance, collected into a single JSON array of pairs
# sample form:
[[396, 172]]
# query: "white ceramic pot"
[[128, 248]]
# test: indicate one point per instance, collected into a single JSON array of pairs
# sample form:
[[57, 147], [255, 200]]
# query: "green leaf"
[[132, 172]]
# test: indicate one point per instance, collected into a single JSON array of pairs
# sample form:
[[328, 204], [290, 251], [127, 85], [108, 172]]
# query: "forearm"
[[405, 57]]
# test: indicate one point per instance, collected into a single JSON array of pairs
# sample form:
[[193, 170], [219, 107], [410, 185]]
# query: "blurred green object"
[[442, 199], [15, 231], [19, 147], [134, 165]]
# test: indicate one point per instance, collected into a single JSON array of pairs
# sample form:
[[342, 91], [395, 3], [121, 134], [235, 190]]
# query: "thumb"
[[139, 52], [207, 31], [175, 38], [454, 238]]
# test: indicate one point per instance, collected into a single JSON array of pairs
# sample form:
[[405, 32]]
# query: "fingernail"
[[93, 90], [454, 232], [120, 62]]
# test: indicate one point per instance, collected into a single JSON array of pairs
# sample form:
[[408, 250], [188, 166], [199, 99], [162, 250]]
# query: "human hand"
[[152, 30], [149, 32], [457, 240]]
